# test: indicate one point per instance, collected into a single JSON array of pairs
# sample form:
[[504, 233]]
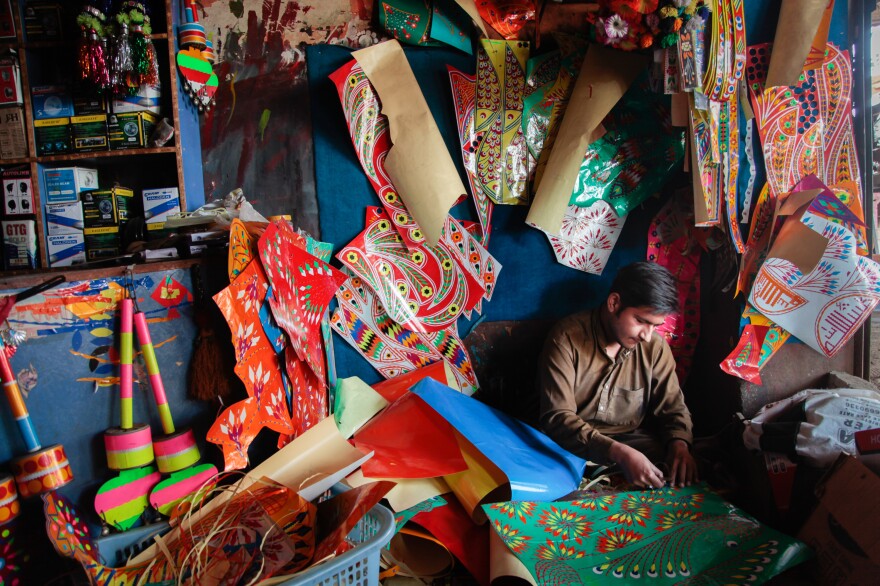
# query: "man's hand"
[[682, 466], [637, 468]]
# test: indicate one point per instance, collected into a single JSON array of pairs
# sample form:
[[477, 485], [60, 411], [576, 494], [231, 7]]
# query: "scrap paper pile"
[[415, 269], [275, 304], [477, 488]]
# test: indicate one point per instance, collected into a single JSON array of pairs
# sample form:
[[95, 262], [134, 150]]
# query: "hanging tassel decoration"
[[91, 59], [123, 64]]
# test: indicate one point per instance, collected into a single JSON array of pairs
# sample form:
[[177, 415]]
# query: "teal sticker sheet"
[[665, 536], [634, 158]]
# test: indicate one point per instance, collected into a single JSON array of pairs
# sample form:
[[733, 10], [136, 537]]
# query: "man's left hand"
[[682, 466]]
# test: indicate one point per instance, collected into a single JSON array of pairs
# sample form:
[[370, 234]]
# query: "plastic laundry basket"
[[358, 566]]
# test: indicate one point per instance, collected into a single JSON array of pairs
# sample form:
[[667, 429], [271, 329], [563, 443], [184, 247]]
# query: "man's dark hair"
[[646, 284]]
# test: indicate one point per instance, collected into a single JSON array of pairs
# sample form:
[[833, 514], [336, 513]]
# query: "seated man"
[[607, 382]]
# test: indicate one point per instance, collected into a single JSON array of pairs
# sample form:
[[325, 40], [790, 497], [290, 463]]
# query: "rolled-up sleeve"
[[673, 420], [559, 409]]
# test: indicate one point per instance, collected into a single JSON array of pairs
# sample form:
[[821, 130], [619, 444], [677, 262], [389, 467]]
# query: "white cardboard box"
[[64, 184], [64, 218], [66, 249], [159, 204]]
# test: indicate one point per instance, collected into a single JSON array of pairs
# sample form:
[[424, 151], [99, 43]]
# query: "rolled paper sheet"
[[16, 403], [42, 471], [128, 448], [143, 333], [176, 451], [9, 505], [125, 361]]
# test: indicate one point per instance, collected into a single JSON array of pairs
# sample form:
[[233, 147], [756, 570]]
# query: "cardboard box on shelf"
[[51, 101], [158, 205], [42, 21], [66, 249], [13, 144], [52, 136], [64, 184], [86, 102], [89, 133], [18, 191], [843, 528], [101, 242], [64, 218], [131, 130], [19, 244], [104, 208], [148, 98]]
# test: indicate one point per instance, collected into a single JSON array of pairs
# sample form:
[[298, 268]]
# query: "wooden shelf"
[[106, 154], [29, 277], [10, 162]]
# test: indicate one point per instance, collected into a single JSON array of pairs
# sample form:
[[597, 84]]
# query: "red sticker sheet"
[[391, 348], [302, 287], [425, 289], [369, 132]]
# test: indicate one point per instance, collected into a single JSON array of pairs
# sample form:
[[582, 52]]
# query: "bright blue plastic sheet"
[[537, 468]]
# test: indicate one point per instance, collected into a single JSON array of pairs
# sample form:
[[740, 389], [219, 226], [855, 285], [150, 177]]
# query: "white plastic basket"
[[358, 566]]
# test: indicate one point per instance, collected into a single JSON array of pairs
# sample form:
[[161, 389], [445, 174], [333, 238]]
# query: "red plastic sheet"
[[410, 440]]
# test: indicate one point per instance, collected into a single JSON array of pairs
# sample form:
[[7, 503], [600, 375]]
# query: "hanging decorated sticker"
[[372, 141], [302, 286], [464, 99], [234, 430], [805, 128], [587, 237], [425, 289], [391, 348], [502, 156]]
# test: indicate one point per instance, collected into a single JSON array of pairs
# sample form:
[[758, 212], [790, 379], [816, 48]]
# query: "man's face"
[[633, 325]]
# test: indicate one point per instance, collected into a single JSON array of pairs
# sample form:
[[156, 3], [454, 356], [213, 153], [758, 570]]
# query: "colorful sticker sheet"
[[241, 248], [632, 161], [391, 348], [726, 55], [544, 107], [587, 237], [423, 22], [464, 98], [807, 128], [825, 306], [302, 286], [502, 157], [234, 431], [681, 256], [665, 536], [372, 141], [425, 289]]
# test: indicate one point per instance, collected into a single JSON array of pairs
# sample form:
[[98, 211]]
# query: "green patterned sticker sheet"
[[634, 158], [665, 536], [426, 23]]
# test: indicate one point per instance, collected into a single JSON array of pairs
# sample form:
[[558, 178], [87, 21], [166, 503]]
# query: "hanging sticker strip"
[[587, 237], [807, 128], [302, 286], [682, 257], [425, 289], [391, 348], [309, 400], [730, 166], [502, 154], [464, 99], [750, 163]]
